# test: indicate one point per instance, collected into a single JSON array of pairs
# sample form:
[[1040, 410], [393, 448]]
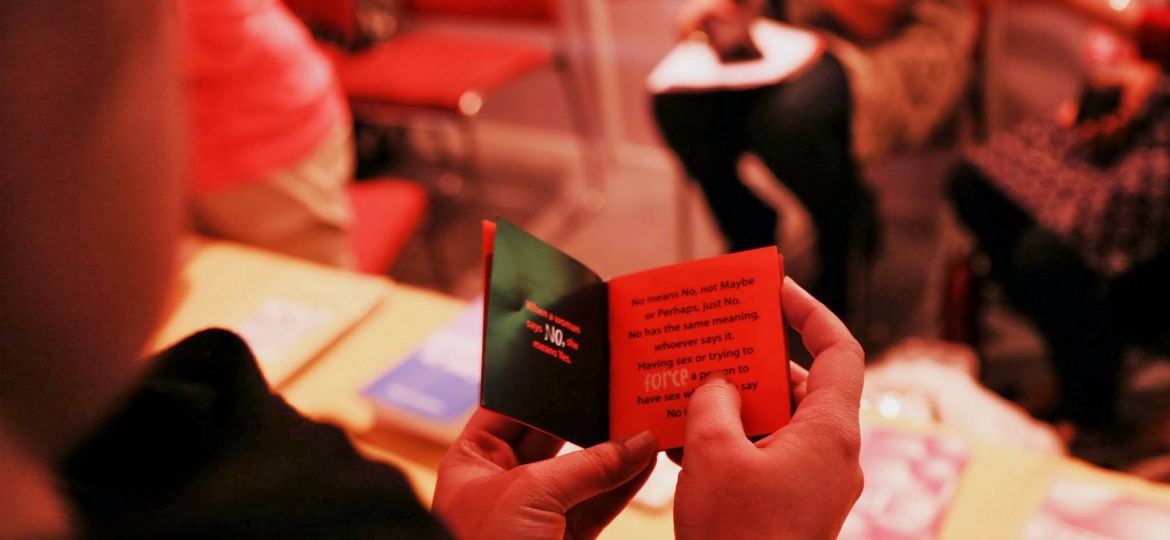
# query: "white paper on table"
[[658, 491], [694, 66], [1079, 509], [277, 326]]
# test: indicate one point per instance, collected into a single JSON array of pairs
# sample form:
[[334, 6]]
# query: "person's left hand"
[[1111, 133], [500, 479]]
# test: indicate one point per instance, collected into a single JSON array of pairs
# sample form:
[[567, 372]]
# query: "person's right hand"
[[798, 482], [694, 14]]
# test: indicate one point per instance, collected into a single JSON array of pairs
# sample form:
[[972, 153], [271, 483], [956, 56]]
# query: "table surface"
[[998, 493]]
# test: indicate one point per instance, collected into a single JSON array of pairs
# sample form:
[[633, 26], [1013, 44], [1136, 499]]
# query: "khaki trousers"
[[302, 210]]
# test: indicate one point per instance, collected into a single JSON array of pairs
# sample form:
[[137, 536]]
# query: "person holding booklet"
[[193, 444], [892, 72], [799, 482]]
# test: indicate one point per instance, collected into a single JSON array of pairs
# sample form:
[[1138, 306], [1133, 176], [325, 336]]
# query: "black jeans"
[[800, 130], [1085, 318]]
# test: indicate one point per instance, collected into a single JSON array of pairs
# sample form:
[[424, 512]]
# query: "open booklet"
[[694, 66], [588, 360]]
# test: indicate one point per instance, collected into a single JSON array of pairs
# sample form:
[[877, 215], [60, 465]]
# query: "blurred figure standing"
[[270, 131], [893, 72]]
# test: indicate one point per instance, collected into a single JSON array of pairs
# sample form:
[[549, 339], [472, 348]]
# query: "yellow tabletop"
[[287, 309], [998, 493]]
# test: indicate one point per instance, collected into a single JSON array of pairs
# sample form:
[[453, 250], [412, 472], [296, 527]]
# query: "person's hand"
[[1139, 79], [694, 14], [500, 479], [798, 482], [1111, 133]]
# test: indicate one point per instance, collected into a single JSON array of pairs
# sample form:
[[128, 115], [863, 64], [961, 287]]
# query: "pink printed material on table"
[[910, 481], [1085, 511]]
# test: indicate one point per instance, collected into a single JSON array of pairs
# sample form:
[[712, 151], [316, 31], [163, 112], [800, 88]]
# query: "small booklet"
[[695, 66], [435, 390], [589, 360]]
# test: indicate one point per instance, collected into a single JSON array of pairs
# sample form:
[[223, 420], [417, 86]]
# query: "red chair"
[[387, 212], [428, 72]]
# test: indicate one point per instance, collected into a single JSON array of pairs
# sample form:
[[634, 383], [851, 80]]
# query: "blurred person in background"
[[1073, 214], [893, 72], [271, 138], [193, 444]]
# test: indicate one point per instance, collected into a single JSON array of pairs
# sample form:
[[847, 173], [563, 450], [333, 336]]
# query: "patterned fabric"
[[1115, 216], [908, 84]]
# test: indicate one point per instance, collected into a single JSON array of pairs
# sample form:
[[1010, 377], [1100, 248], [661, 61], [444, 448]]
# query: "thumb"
[[713, 417], [578, 476]]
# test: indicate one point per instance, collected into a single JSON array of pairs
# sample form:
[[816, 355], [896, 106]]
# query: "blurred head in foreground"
[[90, 194]]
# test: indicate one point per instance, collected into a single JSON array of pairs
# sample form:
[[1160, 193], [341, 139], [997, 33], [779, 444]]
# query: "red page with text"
[[671, 327]]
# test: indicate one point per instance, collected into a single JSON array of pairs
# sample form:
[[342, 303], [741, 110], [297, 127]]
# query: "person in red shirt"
[[271, 146]]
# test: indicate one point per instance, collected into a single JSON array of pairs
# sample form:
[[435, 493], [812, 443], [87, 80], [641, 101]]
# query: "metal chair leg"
[[469, 166], [593, 200], [451, 182]]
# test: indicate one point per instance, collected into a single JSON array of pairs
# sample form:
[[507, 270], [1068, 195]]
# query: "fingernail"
[[716, 377], [638, 446]]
